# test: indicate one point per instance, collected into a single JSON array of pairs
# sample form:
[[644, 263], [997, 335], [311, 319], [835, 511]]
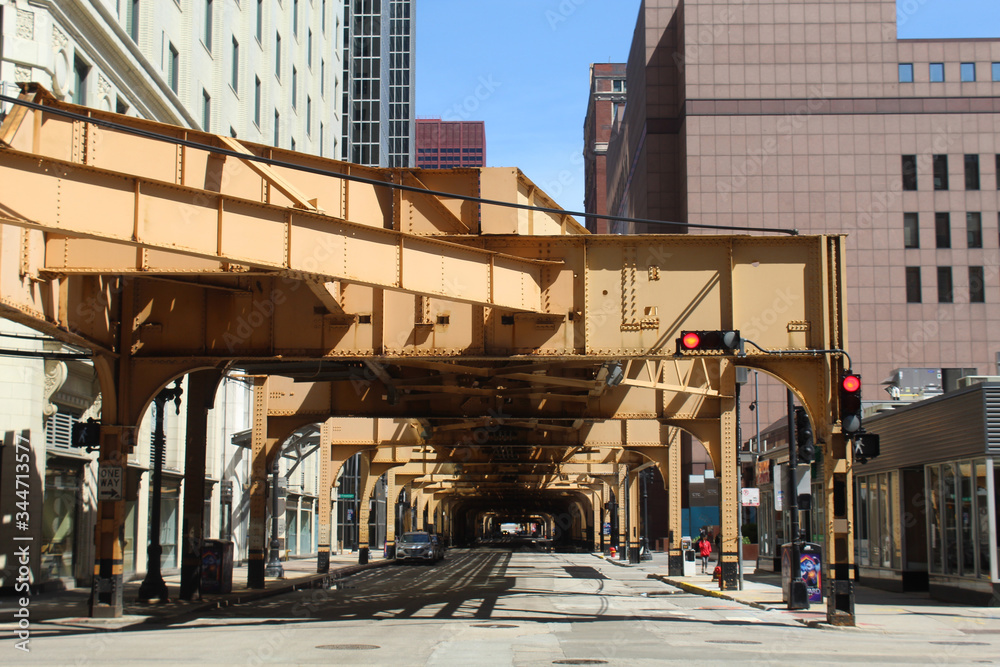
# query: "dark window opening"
[[944, 285], [942, 230], [913, 288], [909, 172], [940, 172]]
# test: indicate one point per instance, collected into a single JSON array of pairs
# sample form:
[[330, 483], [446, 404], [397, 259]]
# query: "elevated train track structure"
[[493, 358]]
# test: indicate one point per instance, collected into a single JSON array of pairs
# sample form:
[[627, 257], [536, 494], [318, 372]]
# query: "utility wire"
[[156, 136]]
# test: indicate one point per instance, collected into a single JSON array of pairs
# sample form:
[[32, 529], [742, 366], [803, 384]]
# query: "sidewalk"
[[69, 608], [874, 609]]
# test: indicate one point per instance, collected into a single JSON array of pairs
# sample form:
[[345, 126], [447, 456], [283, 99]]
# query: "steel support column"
[[256, 531], [202, 386]]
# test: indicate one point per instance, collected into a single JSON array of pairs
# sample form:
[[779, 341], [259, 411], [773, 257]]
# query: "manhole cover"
[[731, 641], [961, 643], [348, 647], [579, 661], [493, 625]]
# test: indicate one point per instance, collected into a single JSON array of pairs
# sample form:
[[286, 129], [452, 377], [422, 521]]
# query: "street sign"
[[751, 497], [109, 482], [346, 496]]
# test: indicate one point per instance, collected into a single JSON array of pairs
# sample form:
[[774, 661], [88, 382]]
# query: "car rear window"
[[416, 537]]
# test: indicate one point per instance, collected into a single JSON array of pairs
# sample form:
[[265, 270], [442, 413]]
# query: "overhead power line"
[[156, 136]]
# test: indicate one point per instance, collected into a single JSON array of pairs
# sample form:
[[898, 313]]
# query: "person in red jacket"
[[704, 550]]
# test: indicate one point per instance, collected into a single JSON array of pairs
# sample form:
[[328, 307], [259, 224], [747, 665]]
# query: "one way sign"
[[109, 483]]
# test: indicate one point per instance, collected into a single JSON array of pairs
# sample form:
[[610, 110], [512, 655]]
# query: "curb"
[[698, 590]]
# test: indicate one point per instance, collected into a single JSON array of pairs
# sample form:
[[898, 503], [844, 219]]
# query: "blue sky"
[[522, 66]]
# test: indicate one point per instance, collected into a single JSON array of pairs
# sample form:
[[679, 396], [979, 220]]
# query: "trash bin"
[[217, 566], [690, 563], [811, 569]]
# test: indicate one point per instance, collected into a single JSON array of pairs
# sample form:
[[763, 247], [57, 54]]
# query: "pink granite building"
[[814, 116]]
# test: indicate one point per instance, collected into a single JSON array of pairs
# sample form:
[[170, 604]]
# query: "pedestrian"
[[704, 550]]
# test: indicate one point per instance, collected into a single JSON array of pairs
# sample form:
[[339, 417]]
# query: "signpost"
[[109, 486]]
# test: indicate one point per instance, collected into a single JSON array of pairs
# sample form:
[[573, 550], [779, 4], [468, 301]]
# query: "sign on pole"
[[109, 482], [751, 497]]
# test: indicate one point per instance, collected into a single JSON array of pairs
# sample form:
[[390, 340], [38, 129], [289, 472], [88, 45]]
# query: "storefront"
[[926, 509]]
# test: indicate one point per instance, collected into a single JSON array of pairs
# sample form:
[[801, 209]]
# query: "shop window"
[[935, 536], [62, 491]]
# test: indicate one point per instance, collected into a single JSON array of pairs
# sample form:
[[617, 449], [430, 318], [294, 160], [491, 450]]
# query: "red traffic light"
[[851, 383], [691, 340]]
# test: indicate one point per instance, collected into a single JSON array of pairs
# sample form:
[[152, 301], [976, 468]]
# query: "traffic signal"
[[804, 446], [866, 446], [86, 435], [708, 341], [850, 402]]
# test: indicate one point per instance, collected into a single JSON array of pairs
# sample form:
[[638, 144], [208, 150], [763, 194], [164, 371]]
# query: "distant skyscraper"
[[379, 48], [607, 101], [442, 144]]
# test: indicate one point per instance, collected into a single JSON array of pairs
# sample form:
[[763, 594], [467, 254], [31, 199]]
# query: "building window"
[[277, 55], [913, 290], [277, 125], [208, 24], [937, 72], [236, 66], [618, 86], [295, 85], [998, 172], [322, 77], [974, 227], [260, 21], [996, 71], [909, 172], [977, 288], [293, 143], [971, 172], [911, 230], [940, 172], [309, 49], [309, 116], [256, 101], [906, 72], [80, 73], [173, 73], [322, 12], [945, 290], [942, 230], [321, 137], [132, 19], [968, 71], [206, 111], [295, 18]]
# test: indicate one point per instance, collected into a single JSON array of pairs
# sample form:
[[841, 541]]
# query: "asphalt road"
[[495, 607]]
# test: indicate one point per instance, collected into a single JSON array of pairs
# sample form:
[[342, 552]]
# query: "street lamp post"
[[273, 567], [152, 585]]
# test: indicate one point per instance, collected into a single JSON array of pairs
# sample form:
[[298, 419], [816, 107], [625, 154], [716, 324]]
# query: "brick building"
[[607, 102], [442, 144]]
